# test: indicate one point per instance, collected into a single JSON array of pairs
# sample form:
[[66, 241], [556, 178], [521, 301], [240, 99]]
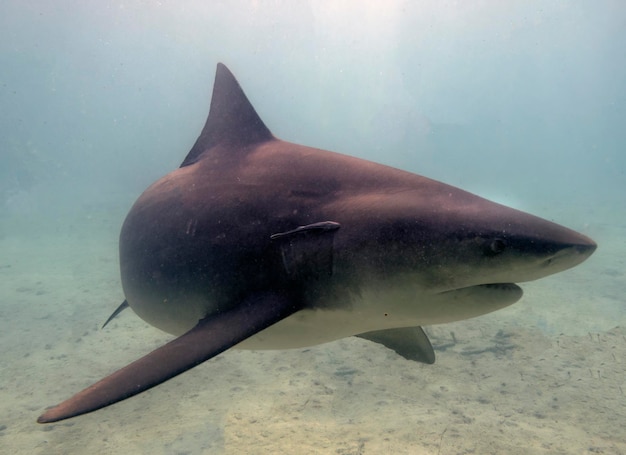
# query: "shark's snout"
[[584, 248], [580, 242], [587, 247], [572, 254], [574, 244]]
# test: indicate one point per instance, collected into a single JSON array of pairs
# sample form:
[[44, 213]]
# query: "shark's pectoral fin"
[[412, 343], [207, 339], [307, 251]]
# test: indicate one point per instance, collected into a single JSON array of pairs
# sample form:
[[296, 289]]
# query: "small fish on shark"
[[258, 243]]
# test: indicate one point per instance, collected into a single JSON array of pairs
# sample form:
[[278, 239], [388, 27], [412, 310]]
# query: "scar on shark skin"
[[258, 243]]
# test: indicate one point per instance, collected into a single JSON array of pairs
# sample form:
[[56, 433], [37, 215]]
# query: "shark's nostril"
[[587, 249]]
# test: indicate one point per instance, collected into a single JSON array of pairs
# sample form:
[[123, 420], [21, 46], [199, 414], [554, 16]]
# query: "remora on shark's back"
[[264, 244]]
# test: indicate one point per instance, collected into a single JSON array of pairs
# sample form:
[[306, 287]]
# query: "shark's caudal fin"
[[232, 119], [210, 337]]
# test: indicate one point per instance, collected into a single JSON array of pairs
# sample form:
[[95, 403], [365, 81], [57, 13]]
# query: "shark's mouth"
[[505, 287], [470, 301], [501, 292], [487, 294], [487, 287], [498, 294]]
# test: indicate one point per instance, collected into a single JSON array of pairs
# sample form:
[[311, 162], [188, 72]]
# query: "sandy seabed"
[[544, 376]]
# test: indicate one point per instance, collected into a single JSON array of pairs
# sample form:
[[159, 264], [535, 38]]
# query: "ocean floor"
[[544, 376]]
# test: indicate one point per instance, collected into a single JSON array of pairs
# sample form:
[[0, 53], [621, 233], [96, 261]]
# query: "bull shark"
[[258, 243]]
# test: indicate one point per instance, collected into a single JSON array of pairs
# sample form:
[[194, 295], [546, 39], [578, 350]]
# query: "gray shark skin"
[[259, 243]]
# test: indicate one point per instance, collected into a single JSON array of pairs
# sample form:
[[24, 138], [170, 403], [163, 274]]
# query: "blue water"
[[520, 102]]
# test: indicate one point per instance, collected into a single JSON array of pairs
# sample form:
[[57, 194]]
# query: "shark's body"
[[259, 243]]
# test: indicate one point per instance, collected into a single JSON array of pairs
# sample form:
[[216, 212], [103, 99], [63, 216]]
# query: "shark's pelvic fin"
[[412, 343], [117, 311]]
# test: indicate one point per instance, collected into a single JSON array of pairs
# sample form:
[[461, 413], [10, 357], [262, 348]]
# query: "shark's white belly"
[[376, 309]]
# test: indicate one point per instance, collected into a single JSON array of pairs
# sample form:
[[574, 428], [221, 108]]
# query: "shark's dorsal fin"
[[232, 119]]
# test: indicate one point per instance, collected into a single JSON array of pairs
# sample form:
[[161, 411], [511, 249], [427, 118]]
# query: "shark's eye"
[[495, 246]]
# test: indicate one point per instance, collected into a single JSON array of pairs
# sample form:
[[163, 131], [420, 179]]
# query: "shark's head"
[[468, 241], [461, 249]]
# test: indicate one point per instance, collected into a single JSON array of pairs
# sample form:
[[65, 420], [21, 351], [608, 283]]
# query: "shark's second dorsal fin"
[[232, 119]]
